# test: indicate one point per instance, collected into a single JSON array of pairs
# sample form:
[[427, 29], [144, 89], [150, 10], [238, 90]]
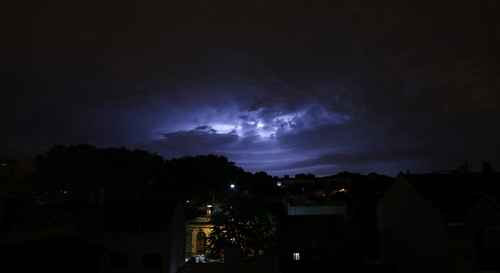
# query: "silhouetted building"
[[56, 252], [469, 207], [441, 221], [118, 237], [312, 235], [413, 235], [480, 233], [147, 237]]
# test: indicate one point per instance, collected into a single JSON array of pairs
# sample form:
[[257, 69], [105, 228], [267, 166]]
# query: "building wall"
[[136, 251], [148, 251], [412, 230], [177, 246], [192, 229]]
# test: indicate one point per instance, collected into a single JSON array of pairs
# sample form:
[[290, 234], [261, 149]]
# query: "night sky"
[[284, 87]]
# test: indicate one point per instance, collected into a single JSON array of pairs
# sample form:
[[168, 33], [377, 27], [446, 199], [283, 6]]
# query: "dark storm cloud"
[[284, 87], [198, 141]]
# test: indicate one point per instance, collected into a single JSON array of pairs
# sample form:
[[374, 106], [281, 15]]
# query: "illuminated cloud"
[[253, 138], [268, 125]]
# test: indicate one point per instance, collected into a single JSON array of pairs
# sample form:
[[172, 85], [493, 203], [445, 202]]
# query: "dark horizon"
[[29, 164]]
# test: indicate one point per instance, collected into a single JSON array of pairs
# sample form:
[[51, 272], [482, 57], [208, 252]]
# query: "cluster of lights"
[[296, 256]]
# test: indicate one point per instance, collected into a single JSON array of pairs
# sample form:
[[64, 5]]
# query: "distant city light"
[[296, 256], [232, 186], [279, 184], [188, 201]]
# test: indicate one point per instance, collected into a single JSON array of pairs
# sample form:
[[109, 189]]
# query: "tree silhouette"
[[80, 172], [244, 223]]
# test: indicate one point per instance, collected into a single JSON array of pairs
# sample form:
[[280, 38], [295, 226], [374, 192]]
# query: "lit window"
[[296, 256], [279, 184], [232, 186]]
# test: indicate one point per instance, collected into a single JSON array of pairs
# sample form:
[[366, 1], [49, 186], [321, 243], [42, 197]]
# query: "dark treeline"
[[91, 175], [79, 171], [84, 173], [66, 181]]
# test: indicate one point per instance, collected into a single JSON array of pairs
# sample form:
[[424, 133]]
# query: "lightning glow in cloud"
[[266, 125]]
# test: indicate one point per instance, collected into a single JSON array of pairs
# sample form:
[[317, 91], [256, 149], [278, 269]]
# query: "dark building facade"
[[312, 237], [120, 238]]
